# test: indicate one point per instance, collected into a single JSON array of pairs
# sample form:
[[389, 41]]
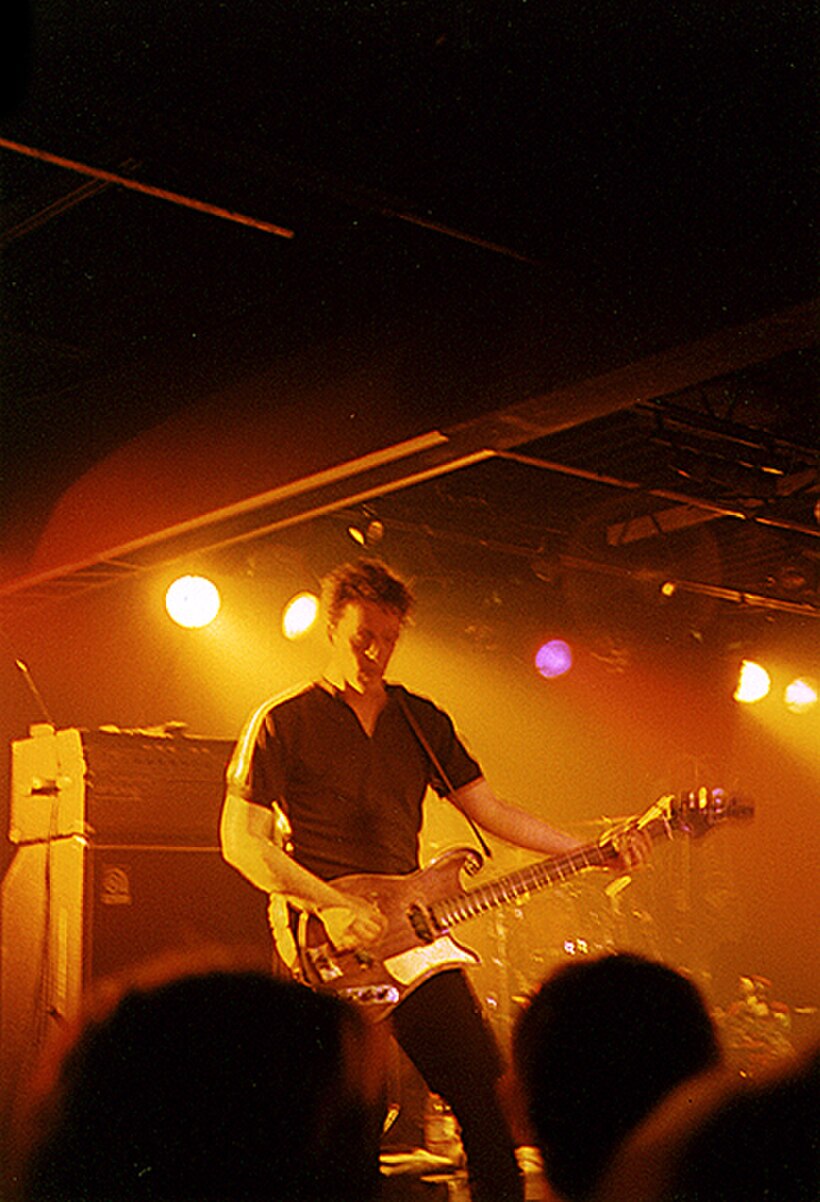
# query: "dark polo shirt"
[[353, 800]]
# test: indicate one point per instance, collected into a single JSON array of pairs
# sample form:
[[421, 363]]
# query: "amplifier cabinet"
[[75, 911], [117, 786]]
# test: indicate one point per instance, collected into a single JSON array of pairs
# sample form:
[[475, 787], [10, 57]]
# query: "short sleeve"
[[255, 771]]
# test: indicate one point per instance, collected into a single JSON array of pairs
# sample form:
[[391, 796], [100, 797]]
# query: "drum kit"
[[590, 915]]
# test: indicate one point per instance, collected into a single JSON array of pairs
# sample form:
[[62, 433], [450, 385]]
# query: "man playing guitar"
[[342, 766]]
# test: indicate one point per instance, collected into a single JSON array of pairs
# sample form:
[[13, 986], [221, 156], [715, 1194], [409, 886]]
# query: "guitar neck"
[[517, 886]]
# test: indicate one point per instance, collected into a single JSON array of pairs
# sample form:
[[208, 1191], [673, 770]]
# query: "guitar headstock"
[[698, 811]]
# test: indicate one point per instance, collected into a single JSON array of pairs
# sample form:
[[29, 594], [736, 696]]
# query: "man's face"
[[363, 642]]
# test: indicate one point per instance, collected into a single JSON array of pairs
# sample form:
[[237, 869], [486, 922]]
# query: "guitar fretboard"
[[517, 886]]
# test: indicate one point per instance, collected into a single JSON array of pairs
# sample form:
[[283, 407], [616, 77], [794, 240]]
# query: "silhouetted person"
[[212, 1085], [599, 1045], [723, 1138]]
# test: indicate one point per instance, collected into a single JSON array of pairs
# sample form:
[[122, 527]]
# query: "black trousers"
[[443, 1030]]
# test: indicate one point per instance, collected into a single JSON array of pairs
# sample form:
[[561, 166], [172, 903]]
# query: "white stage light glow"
[[192, 601], [300, 614]]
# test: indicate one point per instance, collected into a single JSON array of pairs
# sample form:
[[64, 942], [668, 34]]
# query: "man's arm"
[[248, 838], [479, 802]]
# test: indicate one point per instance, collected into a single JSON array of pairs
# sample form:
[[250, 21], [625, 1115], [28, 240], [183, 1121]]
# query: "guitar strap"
[[415, 726]]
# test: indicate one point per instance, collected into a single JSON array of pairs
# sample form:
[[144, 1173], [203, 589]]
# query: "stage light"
[[367, 535], [753, 683], [800, 695], [299, 615], [553, 658], [192, 601]]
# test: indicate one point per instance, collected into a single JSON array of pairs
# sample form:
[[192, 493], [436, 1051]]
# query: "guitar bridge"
[[371, 995]]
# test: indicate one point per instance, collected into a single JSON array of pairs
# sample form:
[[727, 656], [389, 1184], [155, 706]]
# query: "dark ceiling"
[[533, 196]]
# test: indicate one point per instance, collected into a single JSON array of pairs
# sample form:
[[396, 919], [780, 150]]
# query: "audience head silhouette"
[[599, 1045], [214, 1084], [723, 1137]]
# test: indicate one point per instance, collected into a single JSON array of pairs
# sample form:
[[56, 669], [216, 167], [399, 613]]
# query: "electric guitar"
[[422, 907]]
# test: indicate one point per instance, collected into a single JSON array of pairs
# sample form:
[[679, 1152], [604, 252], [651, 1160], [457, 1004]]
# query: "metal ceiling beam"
[[443, 451], [709, 508], [670, 371]]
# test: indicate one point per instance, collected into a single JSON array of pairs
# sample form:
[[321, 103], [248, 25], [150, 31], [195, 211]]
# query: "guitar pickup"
[[421, 923]]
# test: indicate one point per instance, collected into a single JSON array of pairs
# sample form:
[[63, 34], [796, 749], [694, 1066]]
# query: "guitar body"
[[412, 948]]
